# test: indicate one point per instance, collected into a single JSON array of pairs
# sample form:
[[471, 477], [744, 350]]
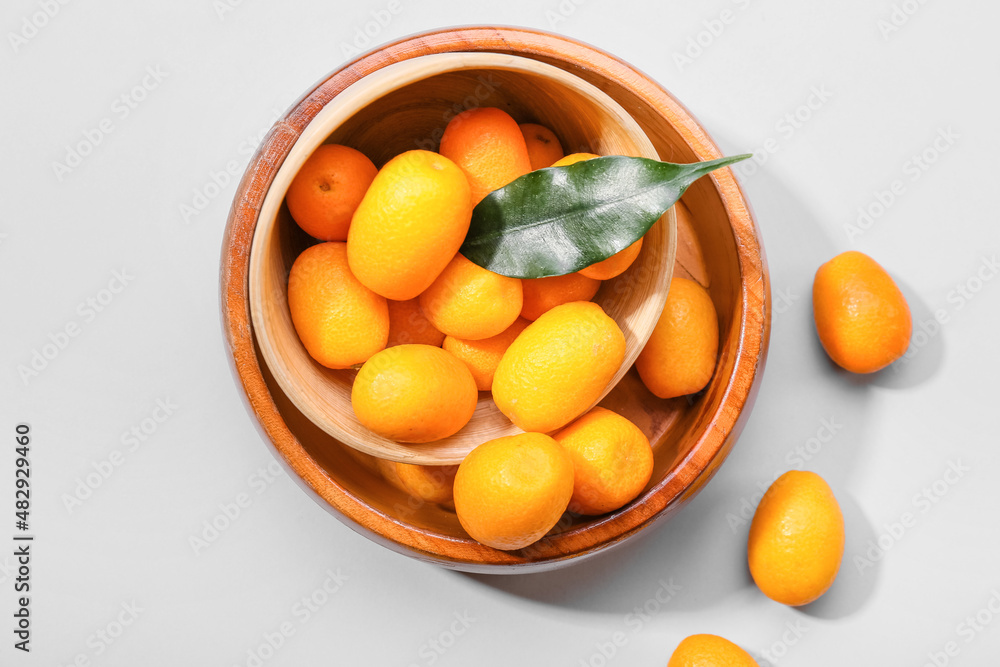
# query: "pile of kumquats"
[[386, 290]]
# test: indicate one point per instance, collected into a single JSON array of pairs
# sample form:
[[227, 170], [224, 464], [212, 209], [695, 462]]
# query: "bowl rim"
[[658, 502], [351, 100]]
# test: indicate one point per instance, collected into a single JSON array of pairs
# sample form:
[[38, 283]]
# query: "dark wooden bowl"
[[718, 245]]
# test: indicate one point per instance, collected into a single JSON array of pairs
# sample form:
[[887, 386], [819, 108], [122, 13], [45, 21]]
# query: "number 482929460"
[[22, 477]]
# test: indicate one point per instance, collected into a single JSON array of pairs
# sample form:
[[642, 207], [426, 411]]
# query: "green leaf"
[[555, 221]]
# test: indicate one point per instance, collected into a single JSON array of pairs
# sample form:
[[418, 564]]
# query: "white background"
[[881, 94]]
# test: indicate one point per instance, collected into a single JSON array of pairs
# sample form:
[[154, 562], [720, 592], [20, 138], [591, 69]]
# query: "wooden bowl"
[[403, 106], [718, 245]]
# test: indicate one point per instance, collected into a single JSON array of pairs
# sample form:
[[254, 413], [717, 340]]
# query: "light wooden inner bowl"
[[407, 105]]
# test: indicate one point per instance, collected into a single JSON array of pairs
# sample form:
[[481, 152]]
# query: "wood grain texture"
[[405, 106], [720, 248]]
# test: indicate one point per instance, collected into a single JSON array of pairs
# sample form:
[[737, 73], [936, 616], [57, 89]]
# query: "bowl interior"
[[405, 106]]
